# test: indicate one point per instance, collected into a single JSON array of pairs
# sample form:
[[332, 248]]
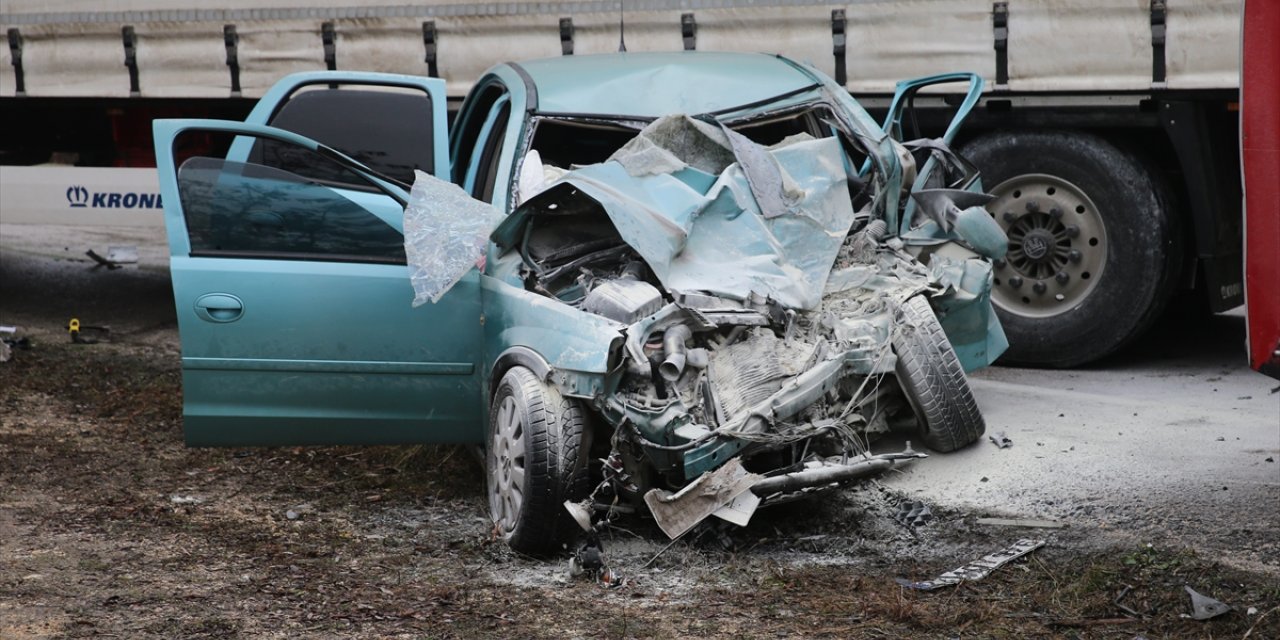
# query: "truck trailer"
[[1108, 131]]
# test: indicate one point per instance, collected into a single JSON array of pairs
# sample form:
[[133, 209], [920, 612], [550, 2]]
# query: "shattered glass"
[[446, 233]]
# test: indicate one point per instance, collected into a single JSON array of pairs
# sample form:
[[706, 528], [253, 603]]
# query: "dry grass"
[[97, 540]]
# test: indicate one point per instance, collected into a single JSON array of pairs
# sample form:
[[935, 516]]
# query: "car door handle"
[[219, 307]]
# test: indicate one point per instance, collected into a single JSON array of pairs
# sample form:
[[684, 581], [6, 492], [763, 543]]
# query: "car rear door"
[[293, 296]]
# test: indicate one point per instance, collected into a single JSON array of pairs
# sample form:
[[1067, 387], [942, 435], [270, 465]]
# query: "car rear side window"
[[247, 210], [388, 130]]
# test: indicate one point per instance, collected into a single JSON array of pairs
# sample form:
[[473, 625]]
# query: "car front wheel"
[[535, 460], [933, 380]]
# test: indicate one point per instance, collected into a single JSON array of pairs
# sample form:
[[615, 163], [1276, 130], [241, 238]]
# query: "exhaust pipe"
[[674, 352]]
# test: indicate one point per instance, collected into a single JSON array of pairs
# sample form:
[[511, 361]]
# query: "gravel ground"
[[1156, 461]]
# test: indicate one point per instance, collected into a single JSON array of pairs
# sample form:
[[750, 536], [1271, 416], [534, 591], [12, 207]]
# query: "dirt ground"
[[110, 527]]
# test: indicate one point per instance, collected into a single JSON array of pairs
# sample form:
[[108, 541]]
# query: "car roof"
[[656, 84]]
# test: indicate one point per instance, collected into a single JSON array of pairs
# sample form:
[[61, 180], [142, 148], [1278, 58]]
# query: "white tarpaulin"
[[1059, 45]]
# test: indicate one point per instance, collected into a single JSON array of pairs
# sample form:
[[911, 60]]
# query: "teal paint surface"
[[322, 352], [658, 84], [333, 353]]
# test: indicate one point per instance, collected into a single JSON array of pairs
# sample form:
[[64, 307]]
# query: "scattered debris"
[[678, 512], [1221, 439], [588, 561], [1253, 611], [1203, 607], [977, 569], [111, 265], [1271, 459], [1019, 522], [740, 509], [913, 514], [298, 511], [23, 343], [87, 334], [1001, 440], [1124, 592], [8, 343], [581, 513], [181, 499], [123, 254]]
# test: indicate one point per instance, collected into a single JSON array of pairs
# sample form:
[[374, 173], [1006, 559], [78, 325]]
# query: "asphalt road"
[[1174, 440]]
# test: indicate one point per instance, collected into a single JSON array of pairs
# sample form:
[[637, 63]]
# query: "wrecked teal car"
[[640, 281]]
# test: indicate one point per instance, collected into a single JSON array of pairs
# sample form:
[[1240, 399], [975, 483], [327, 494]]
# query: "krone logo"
[[77, 196], [1035, 247]]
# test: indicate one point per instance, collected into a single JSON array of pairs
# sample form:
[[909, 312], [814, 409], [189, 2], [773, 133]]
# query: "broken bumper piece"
[[732, 493]]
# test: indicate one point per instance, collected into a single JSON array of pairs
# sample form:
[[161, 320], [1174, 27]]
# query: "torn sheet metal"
[[965, 311], [679, 512], [702, 231], [977, 569], [446, 233]]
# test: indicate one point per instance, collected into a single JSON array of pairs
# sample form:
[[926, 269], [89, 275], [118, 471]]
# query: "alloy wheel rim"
[[506, 466]]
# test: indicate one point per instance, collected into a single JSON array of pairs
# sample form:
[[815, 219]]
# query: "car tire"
[[536, 458], [1093, 250], [933, 381]]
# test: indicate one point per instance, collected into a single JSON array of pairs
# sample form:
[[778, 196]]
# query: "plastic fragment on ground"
[[1001, 440], [1203, 607], [446, 233]]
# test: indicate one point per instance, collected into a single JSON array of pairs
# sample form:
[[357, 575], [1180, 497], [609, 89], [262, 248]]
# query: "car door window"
[[235, 209], [390, 131]]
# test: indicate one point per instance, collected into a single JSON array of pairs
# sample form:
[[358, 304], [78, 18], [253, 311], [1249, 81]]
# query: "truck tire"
[[535, 460], [1093, 247], [933, 380]]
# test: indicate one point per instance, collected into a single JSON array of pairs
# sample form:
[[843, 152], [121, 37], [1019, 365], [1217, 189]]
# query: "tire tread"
[[556, 429], [935, 383]]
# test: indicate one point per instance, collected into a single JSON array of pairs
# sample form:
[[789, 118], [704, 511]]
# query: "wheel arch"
[[515, 356]]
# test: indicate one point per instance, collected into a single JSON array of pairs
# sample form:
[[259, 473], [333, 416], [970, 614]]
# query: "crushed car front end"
[[741, 316]]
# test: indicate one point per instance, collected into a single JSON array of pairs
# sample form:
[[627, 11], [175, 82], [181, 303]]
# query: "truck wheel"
[[535, 460], [1093, 253], [933, 380]]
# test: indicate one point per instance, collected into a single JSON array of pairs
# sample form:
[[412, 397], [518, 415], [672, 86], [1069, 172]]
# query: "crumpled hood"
[[709, 210]]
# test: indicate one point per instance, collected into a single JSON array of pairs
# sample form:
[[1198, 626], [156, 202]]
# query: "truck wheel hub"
[[1057, 245], [1037, 245]]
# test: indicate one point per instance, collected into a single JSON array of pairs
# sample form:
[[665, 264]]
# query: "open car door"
[[293, 295]]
